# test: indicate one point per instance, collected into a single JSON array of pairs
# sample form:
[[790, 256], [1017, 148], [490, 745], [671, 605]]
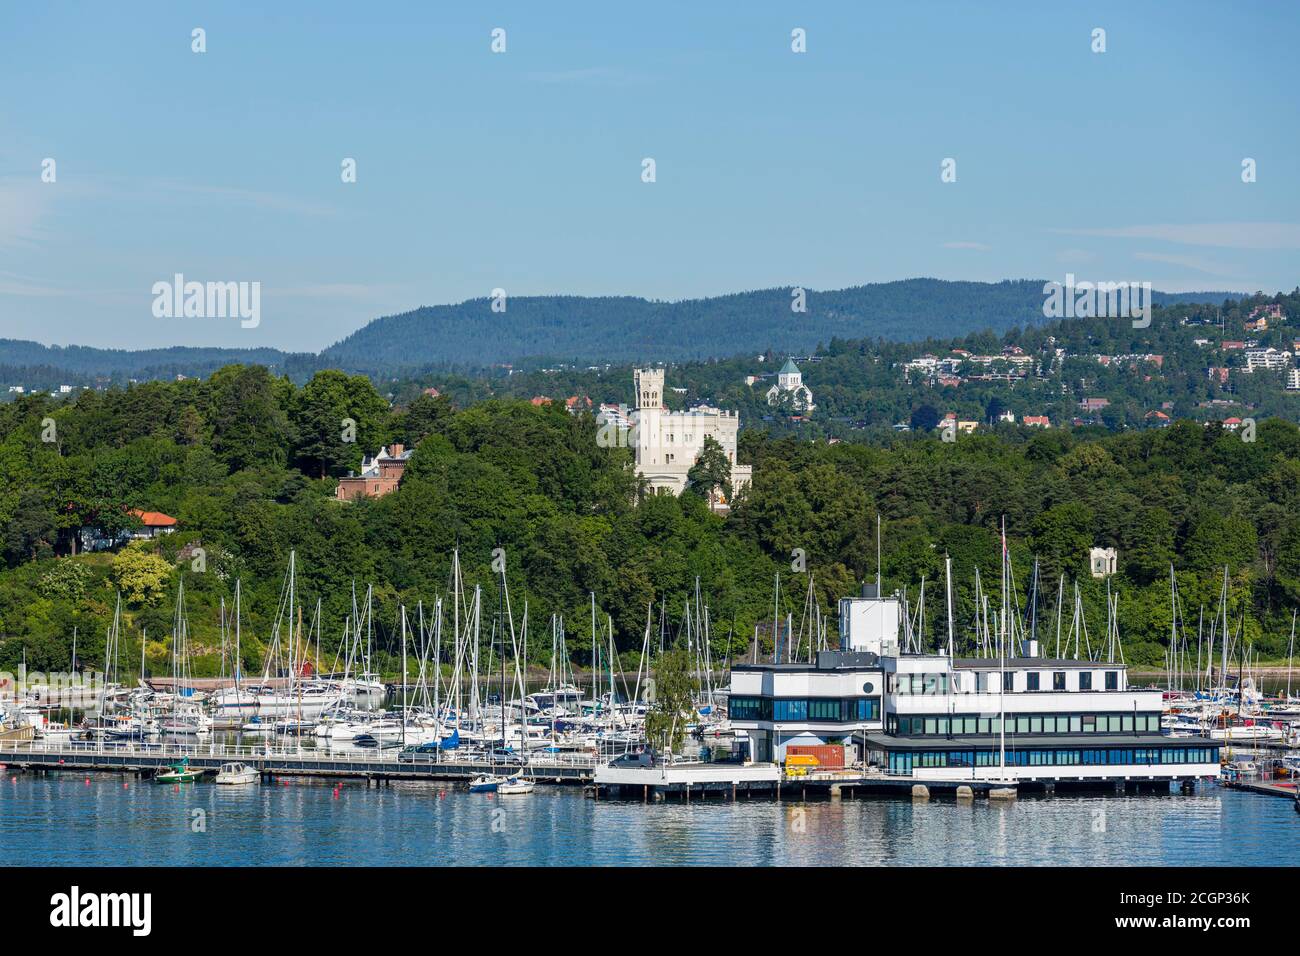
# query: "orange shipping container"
[[830, 756]]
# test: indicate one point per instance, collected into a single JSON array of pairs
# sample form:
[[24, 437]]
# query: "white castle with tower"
[[668, 443]]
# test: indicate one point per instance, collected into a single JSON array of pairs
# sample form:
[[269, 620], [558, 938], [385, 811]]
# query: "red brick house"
[[379, 475]]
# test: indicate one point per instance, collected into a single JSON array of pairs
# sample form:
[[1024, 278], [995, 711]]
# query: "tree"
[[1062, 536], [994, 409], [65, 580], [674, 699], [925, 418], [31, 531], [711, 472], [250, 427], [424, 416], [336, 418], [142, 577]]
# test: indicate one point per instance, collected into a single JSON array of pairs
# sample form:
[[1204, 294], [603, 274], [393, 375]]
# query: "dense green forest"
[[247, 462], [470, 337], [862, 391]]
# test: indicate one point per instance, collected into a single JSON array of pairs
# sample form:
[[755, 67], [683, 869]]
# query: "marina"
[[888, 712]]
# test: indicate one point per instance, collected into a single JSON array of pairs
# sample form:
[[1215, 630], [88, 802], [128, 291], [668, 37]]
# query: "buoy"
[[124, 784], [88, 781]]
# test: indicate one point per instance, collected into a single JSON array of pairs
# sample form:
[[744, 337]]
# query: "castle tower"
[[649, 387], [649, 384]]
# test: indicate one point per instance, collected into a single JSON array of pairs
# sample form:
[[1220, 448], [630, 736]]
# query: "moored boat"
[[180, 772], [485, 783], [515, 786], [236, 773]]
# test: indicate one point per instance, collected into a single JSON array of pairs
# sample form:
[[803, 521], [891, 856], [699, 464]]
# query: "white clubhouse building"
[[933, 718]]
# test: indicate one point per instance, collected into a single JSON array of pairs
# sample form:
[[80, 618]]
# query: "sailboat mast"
[[403, 675], [947, 586], [1002, 688], [1290, 655]]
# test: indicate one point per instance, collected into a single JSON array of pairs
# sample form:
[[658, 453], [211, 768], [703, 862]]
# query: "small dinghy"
[[236, 773]]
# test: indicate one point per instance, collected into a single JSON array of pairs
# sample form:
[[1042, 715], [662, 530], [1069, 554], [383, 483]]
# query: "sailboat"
[[515, 785], [1008, 789], [187, 719], [179, 772]]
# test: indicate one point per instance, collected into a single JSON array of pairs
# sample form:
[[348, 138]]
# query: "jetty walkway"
[[272, 761]]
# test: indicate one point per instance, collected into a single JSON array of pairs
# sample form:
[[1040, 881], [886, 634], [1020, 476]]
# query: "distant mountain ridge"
[[591, 329]]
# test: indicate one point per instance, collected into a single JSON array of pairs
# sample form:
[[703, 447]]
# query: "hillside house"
[[378, 475]]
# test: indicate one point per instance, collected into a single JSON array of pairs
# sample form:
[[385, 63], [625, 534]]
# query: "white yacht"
[[232, 774]]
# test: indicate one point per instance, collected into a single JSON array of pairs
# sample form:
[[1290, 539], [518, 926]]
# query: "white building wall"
[[668, 443]]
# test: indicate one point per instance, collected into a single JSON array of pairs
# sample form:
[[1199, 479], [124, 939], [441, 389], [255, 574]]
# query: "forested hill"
[[44, 366], [614, 329], [471, 336], [247, 465]]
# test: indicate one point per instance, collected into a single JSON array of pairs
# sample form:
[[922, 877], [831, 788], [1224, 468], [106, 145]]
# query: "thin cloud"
[[1075, 255], [13, 284], [263, 200], [1224, 235], [25, 204], [1195, 263]]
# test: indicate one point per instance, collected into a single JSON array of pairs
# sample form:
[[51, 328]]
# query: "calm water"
[[62, 820]]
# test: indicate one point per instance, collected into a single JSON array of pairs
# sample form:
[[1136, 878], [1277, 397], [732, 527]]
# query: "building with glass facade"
[[1026, 719], [836, 698]]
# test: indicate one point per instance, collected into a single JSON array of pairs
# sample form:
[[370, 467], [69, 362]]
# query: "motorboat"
[[1246, 732], [236, 773]]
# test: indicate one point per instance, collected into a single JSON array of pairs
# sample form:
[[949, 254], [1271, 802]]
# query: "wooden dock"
[[1270, 788], [379, 766]]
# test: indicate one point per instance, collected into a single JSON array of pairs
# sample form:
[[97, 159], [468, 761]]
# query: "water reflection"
[[118, 819]]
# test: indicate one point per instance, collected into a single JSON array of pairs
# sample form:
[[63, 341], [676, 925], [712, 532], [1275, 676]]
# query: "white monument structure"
[[789, 381], [1102, 561]]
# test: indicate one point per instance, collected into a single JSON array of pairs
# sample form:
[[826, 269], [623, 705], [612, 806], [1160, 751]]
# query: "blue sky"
[[522, 170]]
